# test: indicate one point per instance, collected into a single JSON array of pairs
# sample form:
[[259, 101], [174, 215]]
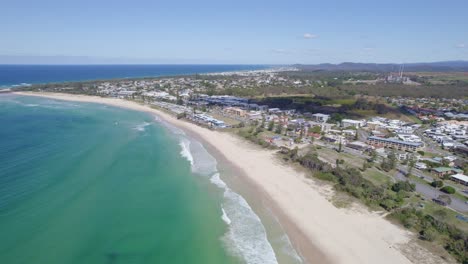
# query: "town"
[[403, 154], [436, 143]]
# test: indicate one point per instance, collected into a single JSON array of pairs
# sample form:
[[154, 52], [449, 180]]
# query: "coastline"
[[319, 231]]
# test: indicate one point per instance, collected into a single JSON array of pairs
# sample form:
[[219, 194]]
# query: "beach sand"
[[320, 232]]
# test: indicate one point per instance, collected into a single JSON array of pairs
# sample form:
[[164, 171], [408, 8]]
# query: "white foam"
[[246, 236], [141, 127], [185, 152], [225, 217], [217, 181], [288, 248]]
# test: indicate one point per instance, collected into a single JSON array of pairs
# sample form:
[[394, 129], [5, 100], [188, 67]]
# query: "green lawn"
[[377, 177]]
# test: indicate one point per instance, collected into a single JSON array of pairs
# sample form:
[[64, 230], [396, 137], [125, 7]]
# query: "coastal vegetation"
[[392, 198], [368, 184]]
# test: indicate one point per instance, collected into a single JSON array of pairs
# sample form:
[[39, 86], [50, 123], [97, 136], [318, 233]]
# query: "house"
[[460, 178], [321, 118], [352, 123], [443, 171], [420, 165]]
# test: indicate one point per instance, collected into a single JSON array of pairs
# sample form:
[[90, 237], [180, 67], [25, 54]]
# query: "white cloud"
[[280, 51], [461, 45], [309, 36]]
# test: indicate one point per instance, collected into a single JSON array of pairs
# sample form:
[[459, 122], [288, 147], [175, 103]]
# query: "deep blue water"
[[11, 75]]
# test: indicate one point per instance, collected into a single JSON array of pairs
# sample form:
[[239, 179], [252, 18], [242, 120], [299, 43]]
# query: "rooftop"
[[460, 177]]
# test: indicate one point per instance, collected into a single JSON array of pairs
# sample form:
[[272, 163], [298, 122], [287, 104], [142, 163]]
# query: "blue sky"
[[251, 32]]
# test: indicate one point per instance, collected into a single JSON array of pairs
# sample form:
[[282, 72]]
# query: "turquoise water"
[[89, 183], [84, 183]]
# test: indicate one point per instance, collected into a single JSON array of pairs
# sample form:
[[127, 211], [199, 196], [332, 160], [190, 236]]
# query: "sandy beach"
[[321, 232]]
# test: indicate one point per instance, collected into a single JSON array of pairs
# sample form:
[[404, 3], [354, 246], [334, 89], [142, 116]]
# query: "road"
[[429, 144], [424, 189], [430, 192]]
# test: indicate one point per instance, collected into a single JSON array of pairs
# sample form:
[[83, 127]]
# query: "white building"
[[352, 123], [321, 118], [460, 178]]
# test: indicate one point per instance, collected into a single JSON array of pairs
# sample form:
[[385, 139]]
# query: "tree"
[[365, 165], [392, 160], [315, 129], [181, 115], [403, 186], [437, 184], [279, 129], [340, 146], [448, 189], [373, 155], [411, 164], [428, 234], [271, 124]]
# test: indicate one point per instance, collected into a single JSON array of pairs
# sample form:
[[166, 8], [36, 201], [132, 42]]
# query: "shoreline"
[[320, 232]]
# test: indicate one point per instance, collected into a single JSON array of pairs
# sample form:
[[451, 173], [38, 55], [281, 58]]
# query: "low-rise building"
[[321, 118], [443, 171], [420, 165], [394, 143], [352, 123], [460, 178], [235, 111]]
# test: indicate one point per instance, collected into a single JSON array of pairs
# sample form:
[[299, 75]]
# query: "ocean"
[[90, 183], [14, 75]]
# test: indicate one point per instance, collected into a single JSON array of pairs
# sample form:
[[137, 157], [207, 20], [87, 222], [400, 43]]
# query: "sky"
[[232, 32]]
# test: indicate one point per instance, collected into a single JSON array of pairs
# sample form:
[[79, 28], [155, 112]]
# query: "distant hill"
[[443, 66]]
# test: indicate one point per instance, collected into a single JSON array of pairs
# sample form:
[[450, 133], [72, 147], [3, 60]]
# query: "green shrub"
[[428, 234], [325, 176], [448, 189], [403, 186], [437, 184]]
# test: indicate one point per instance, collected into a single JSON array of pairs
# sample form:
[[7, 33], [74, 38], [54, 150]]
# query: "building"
[[235, 111], [321, 118], [394, 143], [420, 165], [374, 125], [443, 171], [254, 115], [460, 178], [352, 123]]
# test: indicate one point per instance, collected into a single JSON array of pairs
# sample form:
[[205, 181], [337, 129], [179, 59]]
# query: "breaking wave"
[[141, 127], [246, 236]]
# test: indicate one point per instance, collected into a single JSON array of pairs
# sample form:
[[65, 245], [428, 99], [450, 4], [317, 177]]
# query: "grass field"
[[377, 177]]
